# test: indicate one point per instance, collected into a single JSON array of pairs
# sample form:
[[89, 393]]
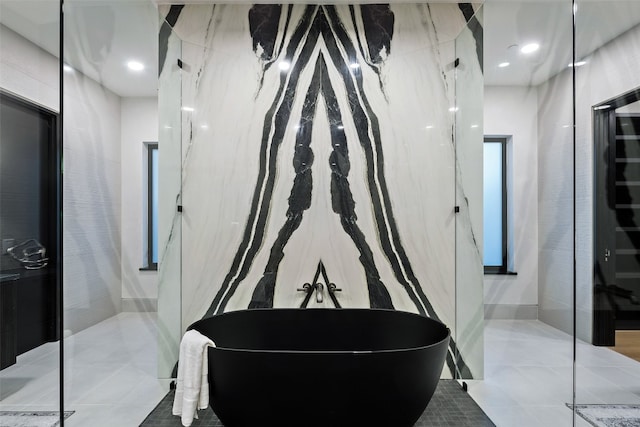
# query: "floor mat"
[[610, 415], [450, 406], [31, 418]]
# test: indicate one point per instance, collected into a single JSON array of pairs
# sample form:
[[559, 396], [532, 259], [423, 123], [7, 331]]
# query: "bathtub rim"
[[326, 352]]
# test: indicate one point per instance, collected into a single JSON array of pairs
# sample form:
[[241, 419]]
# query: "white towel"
[[192, 388]]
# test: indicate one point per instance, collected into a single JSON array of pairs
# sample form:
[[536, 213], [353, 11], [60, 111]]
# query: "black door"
[[617, 219], [29, 200]]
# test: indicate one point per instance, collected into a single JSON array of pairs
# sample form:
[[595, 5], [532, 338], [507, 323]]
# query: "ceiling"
[[102, 35]]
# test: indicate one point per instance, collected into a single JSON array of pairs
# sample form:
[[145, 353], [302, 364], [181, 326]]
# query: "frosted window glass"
[[154, 205], [493, 204]]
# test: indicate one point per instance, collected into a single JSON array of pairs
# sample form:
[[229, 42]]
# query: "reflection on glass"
[[30, 258]]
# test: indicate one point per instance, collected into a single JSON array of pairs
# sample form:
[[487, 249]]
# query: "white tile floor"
[[110, 375], [528, 375]]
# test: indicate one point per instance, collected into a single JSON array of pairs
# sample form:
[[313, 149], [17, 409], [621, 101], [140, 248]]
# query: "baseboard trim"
[[141, 305], [510, 312]]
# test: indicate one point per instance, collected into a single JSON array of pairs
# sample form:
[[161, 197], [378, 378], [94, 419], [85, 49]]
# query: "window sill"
[[148, 269], [500, 273]]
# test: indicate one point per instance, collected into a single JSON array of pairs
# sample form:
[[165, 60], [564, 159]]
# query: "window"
[[495, 205], [152, 206]]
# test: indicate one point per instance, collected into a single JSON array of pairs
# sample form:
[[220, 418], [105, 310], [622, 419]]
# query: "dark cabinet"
[[8, 321]]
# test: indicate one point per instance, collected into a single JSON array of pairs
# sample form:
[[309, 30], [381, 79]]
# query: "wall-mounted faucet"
[[308, 289], [332, 289]]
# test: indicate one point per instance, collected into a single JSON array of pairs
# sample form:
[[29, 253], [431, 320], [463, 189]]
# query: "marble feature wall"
[[320, 137]]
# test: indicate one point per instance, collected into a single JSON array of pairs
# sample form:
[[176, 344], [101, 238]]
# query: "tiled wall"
[[286, 165], [91, 202]]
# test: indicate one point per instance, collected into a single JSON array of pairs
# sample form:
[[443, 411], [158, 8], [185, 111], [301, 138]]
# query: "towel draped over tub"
[[192, 389]]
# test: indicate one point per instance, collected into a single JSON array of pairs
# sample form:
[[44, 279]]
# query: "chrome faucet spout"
[[319, 292]]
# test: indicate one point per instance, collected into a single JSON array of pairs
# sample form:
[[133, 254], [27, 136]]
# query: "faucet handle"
[[319, 287], [333, 288], [305, 287]]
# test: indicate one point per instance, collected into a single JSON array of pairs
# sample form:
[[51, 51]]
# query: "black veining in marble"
[[378, 20], [476, 29], [323, 22], [263, 26], [165, 31]]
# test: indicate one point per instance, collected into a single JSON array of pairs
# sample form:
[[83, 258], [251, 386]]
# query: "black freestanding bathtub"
[[322, 367]]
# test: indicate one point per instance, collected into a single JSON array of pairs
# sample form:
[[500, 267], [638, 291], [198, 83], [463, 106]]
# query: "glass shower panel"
[[110, 124], [171, 111], [607, 95], [30, 220], [467, 110], [528, 304]]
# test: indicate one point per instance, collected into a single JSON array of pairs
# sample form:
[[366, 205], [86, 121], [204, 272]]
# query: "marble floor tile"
[[529, 375], [110, 374]]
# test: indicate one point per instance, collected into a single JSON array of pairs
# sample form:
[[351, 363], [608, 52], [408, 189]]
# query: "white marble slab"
[[407, 98]]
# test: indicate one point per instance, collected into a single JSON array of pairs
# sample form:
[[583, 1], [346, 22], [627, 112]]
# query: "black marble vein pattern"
[[476, 29], [321, 135], [165, 31], [317, 40]]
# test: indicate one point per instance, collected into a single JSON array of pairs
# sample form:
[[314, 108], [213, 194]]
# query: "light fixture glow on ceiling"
[[474, 126], [67, 68], [504, 64], [188, 109], [429, 127], [578, 64], [135, 66], [530, 48]]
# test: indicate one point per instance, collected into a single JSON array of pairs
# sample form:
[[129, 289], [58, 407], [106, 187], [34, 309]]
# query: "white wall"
[[512, 111], [609, 72], [139, 118], [91, 202], [28, 71], [91, 183]]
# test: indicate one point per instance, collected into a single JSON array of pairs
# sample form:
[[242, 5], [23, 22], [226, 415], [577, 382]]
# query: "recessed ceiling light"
[[135, 66], [530, 48], [474, 126], [188, 109], [204, 127], [504, 64], [284, 65], [578, 64], [429, 127]]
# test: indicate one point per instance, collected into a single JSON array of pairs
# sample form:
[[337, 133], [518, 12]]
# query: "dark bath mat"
[[449, 407]]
